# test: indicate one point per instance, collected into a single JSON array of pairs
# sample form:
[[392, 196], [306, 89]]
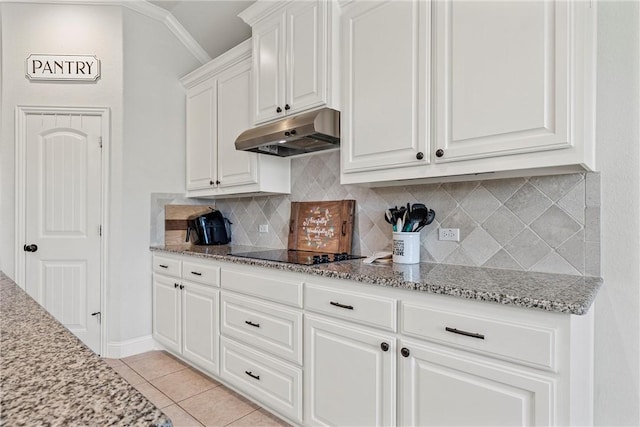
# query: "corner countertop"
[[49, 377], [560, 293]]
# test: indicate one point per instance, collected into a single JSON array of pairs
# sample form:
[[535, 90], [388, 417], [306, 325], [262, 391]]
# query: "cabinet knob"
[[420, 155], [286, 107], [384, 346], [211, 183], [405, 352], [175, 285], [181, 286], [439, 152], [278, 110], [30, 248], [217, 182], [287, 133], [293, 132]]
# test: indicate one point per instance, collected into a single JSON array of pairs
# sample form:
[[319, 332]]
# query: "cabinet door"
[[439, 387], [235, 167], [201, 328], [349, 379], [502, 77], [201, 136], [386, 49], [269, 68], [166, 312], [307, 43]]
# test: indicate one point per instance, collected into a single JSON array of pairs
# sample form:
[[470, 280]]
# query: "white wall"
[[141, 63], [60, 29], [617, 355], [153, 158]]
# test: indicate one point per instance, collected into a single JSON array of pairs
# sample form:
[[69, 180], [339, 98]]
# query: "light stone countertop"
[[48, 377], [544, 291]]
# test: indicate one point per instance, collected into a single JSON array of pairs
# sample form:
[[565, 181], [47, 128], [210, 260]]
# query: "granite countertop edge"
[[559, 293]]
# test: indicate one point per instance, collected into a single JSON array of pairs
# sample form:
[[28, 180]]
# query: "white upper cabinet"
[[292, 64], [385, 80], [479, 87], [218, 110]]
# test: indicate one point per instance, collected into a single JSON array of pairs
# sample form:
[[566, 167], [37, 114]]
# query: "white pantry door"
[[62, 218]]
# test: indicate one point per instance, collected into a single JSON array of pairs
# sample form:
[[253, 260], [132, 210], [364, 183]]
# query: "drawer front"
[[267, 326], [167, 266], [276, 384], [369, 310], [266, 286], [201, 273], [522, 343]]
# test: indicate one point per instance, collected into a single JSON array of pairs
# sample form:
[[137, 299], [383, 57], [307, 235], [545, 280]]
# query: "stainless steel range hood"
[[302, 134]]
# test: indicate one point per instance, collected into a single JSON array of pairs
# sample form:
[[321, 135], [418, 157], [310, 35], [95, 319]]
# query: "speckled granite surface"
[[48, 377], [551, 292]]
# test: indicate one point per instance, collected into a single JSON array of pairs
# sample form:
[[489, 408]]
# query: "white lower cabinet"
[[323, 351], [444, 387], [350, 374], [186, 314]]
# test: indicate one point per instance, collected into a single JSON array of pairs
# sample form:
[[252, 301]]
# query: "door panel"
[[201, 325], [63, 213], [500, 95], [307, 79], [386, 74], [235, 167], [268, 66], [349, 379], [440, 387], [201, 136], [166, 312]]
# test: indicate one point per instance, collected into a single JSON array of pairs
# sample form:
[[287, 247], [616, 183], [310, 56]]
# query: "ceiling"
[[214, 24]]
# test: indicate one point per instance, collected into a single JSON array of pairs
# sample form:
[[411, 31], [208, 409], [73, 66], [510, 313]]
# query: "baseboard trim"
[[120, 349]]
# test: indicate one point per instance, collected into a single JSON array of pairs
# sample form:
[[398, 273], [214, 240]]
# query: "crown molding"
[[145, 8], [164, 16]]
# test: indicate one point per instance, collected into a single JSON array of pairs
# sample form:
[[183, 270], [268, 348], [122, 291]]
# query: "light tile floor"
[[188, 397]]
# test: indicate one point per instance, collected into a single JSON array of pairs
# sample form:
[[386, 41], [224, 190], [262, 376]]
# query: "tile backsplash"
[[545, 223]]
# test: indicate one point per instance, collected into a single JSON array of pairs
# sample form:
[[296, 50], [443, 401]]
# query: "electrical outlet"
[[450, 234], [264, 228]]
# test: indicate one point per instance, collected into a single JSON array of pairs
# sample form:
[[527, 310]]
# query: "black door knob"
[[384, 346], [439, 152], [405, 352], [286, 107], [420, 155], [278, 110], [30, 248]]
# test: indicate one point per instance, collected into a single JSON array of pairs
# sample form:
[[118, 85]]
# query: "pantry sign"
[[77, 68]]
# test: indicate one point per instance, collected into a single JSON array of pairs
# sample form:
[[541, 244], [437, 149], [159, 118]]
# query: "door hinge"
[[100, 230], [100, 141]]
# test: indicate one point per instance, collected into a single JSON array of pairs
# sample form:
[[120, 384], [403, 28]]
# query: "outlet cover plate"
[[449, 234]]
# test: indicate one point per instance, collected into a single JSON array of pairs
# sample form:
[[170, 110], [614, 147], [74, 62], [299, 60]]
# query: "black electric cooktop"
[[297, 257]]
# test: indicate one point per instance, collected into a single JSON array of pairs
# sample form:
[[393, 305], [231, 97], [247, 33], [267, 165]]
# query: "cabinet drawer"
[[201, 273], [276, 384], [167, 266], [267, 286], [369, 310], [269, 327], [522, 343]]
